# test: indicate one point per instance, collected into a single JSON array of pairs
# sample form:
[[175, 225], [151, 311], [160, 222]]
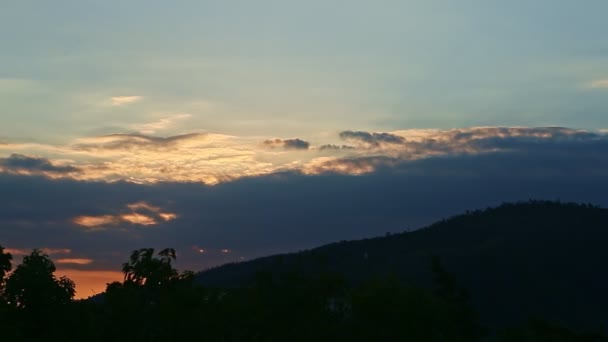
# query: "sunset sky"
[[235, 129]]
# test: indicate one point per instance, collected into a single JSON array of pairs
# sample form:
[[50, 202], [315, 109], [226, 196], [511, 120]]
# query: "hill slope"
[[517, 260]]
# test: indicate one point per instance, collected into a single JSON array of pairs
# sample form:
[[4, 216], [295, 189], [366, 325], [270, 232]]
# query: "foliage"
[[33, 286], [35, 299], [5, 267]]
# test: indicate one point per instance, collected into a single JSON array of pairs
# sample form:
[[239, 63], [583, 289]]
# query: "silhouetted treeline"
[[302, 300]]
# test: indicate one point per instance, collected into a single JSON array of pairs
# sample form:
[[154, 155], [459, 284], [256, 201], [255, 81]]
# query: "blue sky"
[[299, 68], [243, 128]]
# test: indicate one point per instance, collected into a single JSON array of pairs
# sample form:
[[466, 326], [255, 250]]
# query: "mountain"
[[518, 260]]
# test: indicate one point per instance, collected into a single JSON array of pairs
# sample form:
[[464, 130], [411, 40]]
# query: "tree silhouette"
[[36, 300], [5, 266], [33, 285], [144, 269]]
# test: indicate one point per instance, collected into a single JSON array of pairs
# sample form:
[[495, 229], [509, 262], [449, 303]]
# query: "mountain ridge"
[[518, 260]]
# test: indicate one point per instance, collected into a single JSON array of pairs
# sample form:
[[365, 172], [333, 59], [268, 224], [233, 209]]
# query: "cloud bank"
[[214, 158]]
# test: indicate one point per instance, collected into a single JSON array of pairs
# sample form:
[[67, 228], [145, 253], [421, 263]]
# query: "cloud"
[[74, 261], [332, 147], [48, 251], [141, 213], [140, 219], [469, 141], [273, 209], [288, 144], [372, 139], [319, 203], [129, 142], [347, 166], [216, 158], [161, 124], [21, 164], [125, 100], [96, 221], [599, 84]]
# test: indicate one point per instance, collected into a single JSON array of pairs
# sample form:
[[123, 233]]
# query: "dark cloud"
[[374, 139], [134, 141], [288, 144], [353, 166], [476, 140], [559, 133], [18, 163], [331, 147]]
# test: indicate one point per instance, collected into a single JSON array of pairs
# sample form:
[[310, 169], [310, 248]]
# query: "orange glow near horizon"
[[89, 283]]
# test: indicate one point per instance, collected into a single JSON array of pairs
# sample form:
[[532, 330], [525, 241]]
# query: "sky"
[[236, 129]]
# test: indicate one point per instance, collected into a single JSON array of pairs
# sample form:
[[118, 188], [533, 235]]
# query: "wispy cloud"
[[74, 261], [125, 100], [126, 142], [161, 124], [49, 251], [96, 221], [599, 84]]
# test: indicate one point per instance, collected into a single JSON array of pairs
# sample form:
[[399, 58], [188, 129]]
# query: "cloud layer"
[[214, 158]]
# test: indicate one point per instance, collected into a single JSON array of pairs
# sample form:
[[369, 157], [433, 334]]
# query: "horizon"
[[230, 131]]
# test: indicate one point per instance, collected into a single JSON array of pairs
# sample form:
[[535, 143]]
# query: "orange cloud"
[[17, 251], [141, 219], [49, 251], [53, 251], [167, 216], [74, 261], [152, 216], [95, 221]]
